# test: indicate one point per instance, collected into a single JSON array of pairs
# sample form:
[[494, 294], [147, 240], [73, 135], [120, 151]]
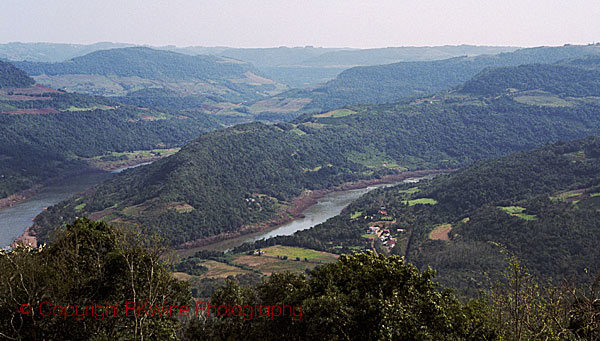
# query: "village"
[[381, 229]]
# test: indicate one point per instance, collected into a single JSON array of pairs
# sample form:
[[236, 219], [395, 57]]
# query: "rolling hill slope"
[[212, 186]]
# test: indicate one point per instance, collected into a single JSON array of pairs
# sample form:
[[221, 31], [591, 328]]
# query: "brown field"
[[269, 265], [281, 105], [441, 232], [218, 269], [43, 111]]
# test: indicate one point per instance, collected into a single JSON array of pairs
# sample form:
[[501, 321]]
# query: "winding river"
[[326, 207], [14, 220]]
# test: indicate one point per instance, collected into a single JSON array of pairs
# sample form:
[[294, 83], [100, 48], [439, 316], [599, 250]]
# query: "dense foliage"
[[11, 76], [360, 297], [558, 79], [89, 264]]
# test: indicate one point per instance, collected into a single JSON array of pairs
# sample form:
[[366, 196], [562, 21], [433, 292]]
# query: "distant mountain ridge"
[[123, 70], [294, 66], [398, 81]]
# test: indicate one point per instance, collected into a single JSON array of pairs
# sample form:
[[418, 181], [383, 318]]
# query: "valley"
[[305, 175]]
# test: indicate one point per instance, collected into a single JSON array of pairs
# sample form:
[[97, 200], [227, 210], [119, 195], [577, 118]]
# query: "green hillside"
[[541, 206], [559, 79], [212, 186], [11, 76]]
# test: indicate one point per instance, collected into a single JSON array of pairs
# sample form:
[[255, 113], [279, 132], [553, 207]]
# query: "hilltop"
[[11, 76], [123, 70]]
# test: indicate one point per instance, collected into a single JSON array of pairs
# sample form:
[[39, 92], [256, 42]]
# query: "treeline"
[[559, 79]]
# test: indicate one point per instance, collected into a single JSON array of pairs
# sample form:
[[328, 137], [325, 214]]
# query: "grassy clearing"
[[349, 247], [297, 132], [138, 154], [80, 207], [517, 211], [369, 236], [420, 201], [373, 159], [180, 207], [566, 195], [356, 214], [594, 195], [411, 190], [292, 252], [336, 113], [95, 107], [542, 100]]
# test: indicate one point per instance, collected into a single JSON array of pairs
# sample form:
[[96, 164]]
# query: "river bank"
[[16, 220], [26, 194], [298, 205]]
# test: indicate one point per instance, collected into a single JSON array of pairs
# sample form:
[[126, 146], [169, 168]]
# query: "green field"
[[411, 190], [420, 201], [219, 269], [542, 100], [336, 113], [566, 195], [269, 265], [292, 252], [517, 211], [370, 236], [356, 214]]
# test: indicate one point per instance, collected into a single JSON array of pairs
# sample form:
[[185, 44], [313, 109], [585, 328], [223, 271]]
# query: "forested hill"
[[559, 79], [142, 62], [394, 82], [123, 70], [542, 206], [243, 175], [11, 76]]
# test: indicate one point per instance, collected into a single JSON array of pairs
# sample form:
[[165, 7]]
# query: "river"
[[326, 207], [14, 220]]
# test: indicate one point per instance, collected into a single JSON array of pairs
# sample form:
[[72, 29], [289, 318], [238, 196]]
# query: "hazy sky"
[[329, 23]]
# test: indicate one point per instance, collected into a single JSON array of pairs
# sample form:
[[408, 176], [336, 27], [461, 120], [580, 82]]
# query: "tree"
[[89, 264]]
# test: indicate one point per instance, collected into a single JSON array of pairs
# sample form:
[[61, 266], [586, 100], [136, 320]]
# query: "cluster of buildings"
[[384, 236]]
